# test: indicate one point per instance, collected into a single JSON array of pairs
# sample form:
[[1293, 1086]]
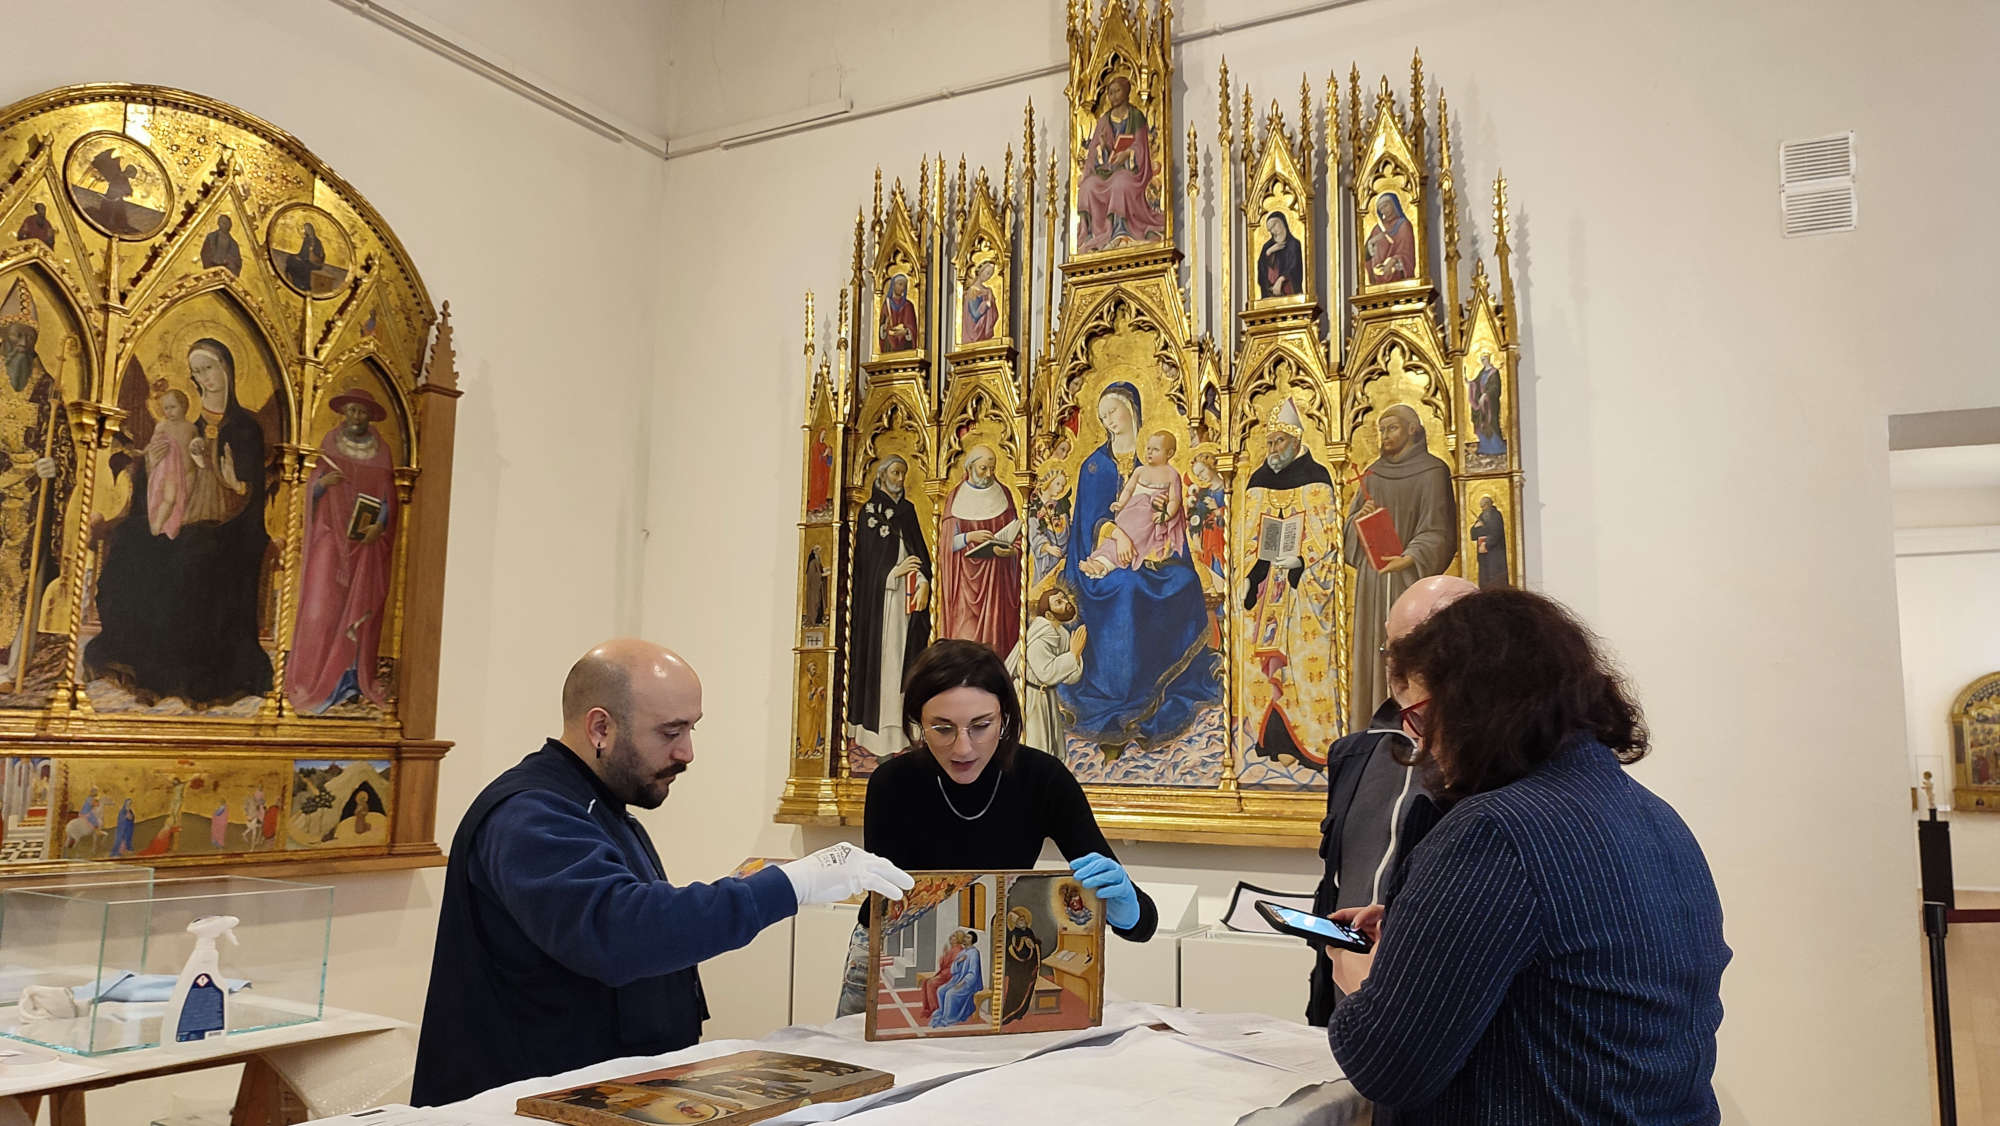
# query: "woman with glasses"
[[970, 796], [1555, 952]]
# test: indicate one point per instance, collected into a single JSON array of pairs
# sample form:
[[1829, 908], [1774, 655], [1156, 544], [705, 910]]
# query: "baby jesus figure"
[[170, 465], [1152, 518]]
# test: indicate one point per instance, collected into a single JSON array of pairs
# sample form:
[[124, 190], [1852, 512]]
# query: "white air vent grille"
[[1816, 185], [1819, 212]]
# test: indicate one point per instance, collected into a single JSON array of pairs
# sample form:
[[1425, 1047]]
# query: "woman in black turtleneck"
[[971, 797]]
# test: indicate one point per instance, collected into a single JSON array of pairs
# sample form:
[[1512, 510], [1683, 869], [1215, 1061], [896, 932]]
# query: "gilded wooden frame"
[[339, 319], [1308, 376]]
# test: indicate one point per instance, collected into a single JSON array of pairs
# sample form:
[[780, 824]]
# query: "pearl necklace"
[[997, 775]]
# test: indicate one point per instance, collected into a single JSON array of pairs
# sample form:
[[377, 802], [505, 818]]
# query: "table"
[[342, 1062], [1135, 1070]]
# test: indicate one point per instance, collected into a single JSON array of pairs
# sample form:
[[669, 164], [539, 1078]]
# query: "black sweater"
[[908, 823]]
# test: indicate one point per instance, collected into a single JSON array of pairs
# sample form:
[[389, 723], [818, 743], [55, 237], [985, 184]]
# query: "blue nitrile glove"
[[1107, 878]]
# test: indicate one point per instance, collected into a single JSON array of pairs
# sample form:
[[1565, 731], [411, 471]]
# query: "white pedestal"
[[748, 989], [1222, 971], [1144, 971], [818, 959], [1151, 971]]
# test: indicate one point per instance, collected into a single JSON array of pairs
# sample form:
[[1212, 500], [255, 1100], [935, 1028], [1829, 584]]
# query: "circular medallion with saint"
[[310, 250], [118, 185]]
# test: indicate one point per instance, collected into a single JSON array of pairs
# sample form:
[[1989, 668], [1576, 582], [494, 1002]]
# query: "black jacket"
[[1345, 761]]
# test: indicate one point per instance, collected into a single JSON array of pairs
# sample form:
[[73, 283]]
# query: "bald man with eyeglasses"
[[1376, 811]]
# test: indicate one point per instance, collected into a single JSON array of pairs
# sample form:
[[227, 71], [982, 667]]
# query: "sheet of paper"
[[1286, 1045], [1142, 1078], [1242, 914], [399, 1115], [917, 1064]]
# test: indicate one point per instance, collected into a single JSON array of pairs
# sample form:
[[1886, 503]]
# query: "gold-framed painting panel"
[[1279, 219], [43, 345], [1034, 940], [980, 436], [1489, 551], [28, 794], [899, 324], [892, 432], [168, 286], [119, 185], [1975, 745], [1122, 315], [1122, 139], [340, 803], [1488, 397], [148, 808], [1123, 353], [983, 274], [1286, 636]]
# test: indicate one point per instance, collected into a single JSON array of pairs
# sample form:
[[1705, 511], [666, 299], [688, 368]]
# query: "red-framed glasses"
[[1413, 717]]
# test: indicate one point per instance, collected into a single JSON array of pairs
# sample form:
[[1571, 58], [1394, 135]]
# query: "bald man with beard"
[[1376, 811], [561, 943]]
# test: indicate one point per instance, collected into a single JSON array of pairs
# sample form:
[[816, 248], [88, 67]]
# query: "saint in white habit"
[[891, 620], [1050, 655]]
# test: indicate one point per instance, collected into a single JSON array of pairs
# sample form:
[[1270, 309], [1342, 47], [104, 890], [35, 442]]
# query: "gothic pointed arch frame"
[[1214, 454], [209, 381]]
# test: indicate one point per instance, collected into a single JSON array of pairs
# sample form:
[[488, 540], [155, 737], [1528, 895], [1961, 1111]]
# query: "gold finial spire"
[[1448, 196], [1049, 258], [1007, 179], [1354, 116], [809, 329], [1224, 320], [1192, 295], [958, 189], [877, 226], [1503, 251], [1193, 170], [1249, 122], [1222, 101], [1304, 148], [1028, 140], [1417, 102], [1332, 140], [840, 326]]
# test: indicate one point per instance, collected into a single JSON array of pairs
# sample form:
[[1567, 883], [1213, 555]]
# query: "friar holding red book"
[[1401, 526]]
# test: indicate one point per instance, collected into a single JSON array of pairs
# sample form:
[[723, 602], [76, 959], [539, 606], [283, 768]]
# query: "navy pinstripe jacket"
[[1555, 955]]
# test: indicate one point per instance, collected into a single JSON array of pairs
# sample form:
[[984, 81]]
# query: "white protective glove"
[[840, 871]]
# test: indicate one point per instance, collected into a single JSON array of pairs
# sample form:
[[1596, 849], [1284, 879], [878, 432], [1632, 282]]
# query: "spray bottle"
[[196, 1011]]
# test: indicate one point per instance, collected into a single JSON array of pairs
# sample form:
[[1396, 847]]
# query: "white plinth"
[[1222, 971]]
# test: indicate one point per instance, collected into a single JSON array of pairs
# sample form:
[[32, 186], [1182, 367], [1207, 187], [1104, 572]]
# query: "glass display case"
[[87, 964]]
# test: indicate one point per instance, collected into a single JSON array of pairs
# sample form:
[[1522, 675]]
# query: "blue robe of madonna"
[[1147, 666], [957, 999]]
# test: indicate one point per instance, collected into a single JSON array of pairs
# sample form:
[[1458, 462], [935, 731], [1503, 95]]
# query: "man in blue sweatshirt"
[[560, 941]]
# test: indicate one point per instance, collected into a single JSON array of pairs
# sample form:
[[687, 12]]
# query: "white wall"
[[606, 55], [1706, 415], [541, 236], [1705, 400], [1950, 610]]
